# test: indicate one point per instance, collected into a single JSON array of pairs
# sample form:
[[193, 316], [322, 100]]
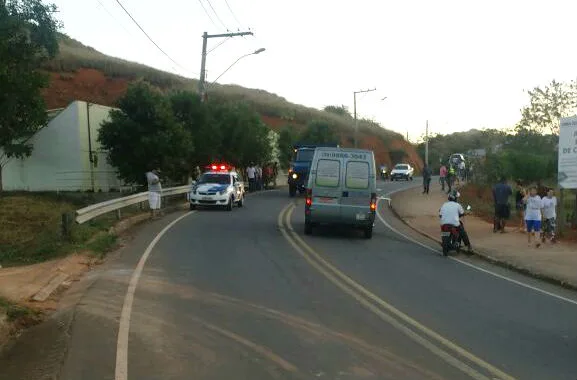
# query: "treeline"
[[527, 151], [176, 132]]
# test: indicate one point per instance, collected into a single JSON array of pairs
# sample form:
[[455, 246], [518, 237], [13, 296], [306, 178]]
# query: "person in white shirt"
[[549, 216], [251, 175], [154, 191], [533, 216], [451, 213], [462, 170]]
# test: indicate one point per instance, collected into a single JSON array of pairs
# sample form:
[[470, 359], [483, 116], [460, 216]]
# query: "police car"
[[220, 186]]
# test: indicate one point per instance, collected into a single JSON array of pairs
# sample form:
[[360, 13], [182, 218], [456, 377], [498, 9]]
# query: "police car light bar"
[[219, 167]]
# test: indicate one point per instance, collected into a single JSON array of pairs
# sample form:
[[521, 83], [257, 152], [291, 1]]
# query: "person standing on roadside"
[[443, 176], [533, 215], [520, 193], [426, 179], [259, 182], [501, 193], [154, 192], [462, 171], [451, 177], [251, 175], [549, 216]]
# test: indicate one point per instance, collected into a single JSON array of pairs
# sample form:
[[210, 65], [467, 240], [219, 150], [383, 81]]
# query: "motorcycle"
[[451, 238]]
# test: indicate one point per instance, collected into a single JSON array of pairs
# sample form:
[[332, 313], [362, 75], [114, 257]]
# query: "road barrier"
[[90, 212]]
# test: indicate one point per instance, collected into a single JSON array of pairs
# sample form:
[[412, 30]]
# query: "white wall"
[[60, 158]]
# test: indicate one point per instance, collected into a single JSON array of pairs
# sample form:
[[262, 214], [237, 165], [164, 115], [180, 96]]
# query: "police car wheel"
[[229, 204], [240, 202]]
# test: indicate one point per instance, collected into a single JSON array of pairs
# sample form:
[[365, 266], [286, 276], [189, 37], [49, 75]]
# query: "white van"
[[342, 189]]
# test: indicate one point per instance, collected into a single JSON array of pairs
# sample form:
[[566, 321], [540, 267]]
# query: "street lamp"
[[355, 111], [258, 51]]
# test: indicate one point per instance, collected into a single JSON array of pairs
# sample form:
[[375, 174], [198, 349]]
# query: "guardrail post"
[[66, 225], [118, 214]]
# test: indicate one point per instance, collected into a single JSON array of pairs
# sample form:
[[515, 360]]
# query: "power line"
[[217, 45], [128, 31], [208, 14], [151, 40], [216, 14], [232, 13]]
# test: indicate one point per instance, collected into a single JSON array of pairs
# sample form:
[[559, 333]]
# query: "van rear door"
[[357, 189], [326, 189]]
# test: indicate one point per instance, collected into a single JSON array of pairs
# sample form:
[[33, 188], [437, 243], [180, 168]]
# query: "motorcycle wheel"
[[445, 245]]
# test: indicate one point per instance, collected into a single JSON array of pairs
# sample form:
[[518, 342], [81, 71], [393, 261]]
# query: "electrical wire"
[[207, 13], [151, 40], [129, 32], [217, 45], [112, 16], [216, 14], [232, 13]]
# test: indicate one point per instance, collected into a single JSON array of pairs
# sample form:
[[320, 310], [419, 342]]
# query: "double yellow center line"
[[448, 351]]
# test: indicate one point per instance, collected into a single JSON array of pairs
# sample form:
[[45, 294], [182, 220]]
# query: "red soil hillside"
[[85, 84], [94, 86]]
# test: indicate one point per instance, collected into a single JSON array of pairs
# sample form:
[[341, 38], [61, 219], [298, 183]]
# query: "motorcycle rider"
[[451, 213]]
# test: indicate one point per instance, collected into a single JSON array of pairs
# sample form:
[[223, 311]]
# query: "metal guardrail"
[[90, 212]]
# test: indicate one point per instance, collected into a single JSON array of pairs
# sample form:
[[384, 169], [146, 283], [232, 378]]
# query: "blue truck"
[[300, 167]]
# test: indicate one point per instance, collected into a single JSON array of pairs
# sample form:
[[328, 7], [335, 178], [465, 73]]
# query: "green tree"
[[194, 116], [286, 141], [341, 110], [145, 133], [28, 37], [319, 132], [244, 137], [547, 106]]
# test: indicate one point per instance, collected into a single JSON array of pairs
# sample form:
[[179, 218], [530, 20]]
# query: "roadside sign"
[[567, 167]]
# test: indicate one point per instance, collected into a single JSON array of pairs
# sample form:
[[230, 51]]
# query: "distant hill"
[[80, 72]]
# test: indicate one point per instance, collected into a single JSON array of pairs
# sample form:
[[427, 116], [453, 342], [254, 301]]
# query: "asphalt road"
[[245, 295]]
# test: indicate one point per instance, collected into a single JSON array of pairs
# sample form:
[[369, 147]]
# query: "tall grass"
[[74, 55]]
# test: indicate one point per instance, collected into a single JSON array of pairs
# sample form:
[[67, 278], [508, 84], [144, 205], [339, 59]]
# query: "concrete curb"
[[487, 257]]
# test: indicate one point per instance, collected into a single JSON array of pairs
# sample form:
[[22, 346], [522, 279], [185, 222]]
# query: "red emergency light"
[[219, 167]]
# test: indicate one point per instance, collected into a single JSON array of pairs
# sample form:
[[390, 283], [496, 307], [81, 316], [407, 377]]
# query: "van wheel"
[[411, 178], [192, 207], [308, 228], [292, 191], [368, 232]]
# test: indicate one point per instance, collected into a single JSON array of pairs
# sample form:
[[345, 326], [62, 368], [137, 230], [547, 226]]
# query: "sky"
[[458, 64]]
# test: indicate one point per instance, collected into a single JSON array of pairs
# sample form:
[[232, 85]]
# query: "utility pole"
[[205, 37], [427, 143], [90, 156], [355, 111]]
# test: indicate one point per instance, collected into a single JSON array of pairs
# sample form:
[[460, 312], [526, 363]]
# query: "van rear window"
[[328, 173], [357, 175]]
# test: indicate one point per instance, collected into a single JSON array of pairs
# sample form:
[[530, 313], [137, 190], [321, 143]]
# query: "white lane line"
[[121, 371], [473, 266]]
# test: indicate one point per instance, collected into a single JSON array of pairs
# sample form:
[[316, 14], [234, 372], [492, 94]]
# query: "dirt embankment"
[[94, 86]]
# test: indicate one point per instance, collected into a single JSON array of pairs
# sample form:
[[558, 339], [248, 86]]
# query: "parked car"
[[402, 171], [456, 159]]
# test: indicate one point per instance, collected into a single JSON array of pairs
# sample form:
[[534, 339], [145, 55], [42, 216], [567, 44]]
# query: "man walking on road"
[[426, 179], [501, 193]]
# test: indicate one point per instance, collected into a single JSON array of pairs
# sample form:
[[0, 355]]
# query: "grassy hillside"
[[80, 72]]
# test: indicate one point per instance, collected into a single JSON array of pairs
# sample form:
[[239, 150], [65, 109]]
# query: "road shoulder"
[[551, 263]]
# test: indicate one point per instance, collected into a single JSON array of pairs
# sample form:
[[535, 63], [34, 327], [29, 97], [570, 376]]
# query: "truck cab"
[[300, 167]]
